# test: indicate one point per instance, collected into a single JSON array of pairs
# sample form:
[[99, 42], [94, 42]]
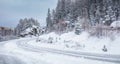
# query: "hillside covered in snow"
[[76, 32]]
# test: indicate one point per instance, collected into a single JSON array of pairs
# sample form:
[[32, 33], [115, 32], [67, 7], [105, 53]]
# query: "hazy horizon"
[[11, 11]]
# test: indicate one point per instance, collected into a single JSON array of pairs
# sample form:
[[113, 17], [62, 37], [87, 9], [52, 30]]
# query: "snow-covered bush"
[[104, 49], [50, 40], [78, 30]]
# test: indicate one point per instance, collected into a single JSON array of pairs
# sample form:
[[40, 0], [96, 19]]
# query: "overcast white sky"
[[12, 10]]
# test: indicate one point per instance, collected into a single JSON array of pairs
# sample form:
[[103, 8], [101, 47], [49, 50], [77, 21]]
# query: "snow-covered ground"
[[73, 42], [29, 51]]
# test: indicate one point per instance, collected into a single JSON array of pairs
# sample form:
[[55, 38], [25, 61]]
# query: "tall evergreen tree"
[[49, 20]]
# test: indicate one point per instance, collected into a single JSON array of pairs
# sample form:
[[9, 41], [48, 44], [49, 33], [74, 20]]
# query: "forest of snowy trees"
[[93, 16], [87, 14]]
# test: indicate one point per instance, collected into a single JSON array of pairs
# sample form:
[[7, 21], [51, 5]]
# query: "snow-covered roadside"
[[11, 48], [73, 42]]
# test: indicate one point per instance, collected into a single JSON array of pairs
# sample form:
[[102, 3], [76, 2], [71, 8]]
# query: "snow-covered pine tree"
[[60, 10], [49, 21], [110, 16]]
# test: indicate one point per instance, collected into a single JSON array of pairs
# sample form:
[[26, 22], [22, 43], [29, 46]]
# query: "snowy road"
[[22, 53], [6, 59], [92, 56]]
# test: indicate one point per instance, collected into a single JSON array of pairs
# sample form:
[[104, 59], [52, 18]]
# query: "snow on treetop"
[[115, 24], [67, 22], [26, 31], [34, 26]]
